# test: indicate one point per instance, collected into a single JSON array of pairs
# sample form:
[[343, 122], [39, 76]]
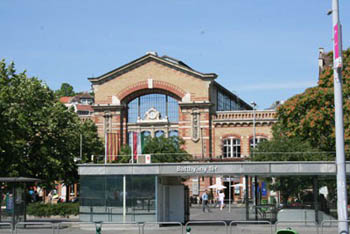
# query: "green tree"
[[162, 149], [287, 149], [39, 136], [310, 115], [65, 90]]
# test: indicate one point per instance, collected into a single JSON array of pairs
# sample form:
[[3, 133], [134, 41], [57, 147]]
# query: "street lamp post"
[[254, 113], [339, 121], [255, 178]]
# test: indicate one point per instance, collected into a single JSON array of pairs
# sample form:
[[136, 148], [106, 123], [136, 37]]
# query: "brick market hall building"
[[159, 95]]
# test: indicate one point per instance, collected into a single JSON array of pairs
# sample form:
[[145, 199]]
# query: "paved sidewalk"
[[197, 215]]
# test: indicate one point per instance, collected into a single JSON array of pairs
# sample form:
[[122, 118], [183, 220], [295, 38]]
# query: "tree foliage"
[[287, 149], [305, 129], [65, 90], [162, 149], [39, 136], [310, 115]]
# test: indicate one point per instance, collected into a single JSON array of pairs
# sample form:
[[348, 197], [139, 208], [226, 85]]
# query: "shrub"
[[46, 210]]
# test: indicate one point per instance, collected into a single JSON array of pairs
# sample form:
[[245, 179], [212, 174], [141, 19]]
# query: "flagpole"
[[132, 147], [105, 147]]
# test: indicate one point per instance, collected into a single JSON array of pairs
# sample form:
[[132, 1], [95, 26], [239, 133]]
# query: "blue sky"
[[262, 50]]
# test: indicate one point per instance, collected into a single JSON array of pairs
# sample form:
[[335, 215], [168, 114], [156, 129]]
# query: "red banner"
[[112, 146]]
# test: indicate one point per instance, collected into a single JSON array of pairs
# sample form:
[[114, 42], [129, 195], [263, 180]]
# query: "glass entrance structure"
[[12, 199], [118, 198]]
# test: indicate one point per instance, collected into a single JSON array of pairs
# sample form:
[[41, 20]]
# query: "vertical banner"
[[112, 146], [337, 46], [134, 145]]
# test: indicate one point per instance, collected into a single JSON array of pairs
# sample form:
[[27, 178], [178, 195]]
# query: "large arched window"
[[167, 106], [231, 148]]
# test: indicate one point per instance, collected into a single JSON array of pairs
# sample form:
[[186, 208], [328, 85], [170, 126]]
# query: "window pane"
[[173, 133], [173, 110], [133, 111], [231, 148], [92, 190], [159, 133], [157, 101], [140, 197]]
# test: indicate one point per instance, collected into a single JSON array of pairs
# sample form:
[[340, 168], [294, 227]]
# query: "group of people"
[[220, 198]]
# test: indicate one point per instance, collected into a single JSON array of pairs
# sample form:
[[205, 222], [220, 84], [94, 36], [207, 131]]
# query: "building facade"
[[159, 95]]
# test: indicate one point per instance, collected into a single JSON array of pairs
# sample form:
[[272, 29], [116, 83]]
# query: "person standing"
[[205, 201], [221, 199]]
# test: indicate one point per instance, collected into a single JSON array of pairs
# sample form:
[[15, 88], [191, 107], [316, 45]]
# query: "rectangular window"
[[231, 148], [220, 106]]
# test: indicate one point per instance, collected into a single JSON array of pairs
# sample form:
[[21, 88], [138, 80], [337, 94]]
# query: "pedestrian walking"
[[205, 201], [221, 199]]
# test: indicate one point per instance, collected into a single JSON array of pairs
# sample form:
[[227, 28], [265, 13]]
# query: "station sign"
[[196, 169]]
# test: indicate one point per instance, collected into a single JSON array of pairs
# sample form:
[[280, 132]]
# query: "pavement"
[[216, 221]]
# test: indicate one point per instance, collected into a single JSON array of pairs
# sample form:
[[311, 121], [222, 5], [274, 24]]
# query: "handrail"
[[251, 222], [7, 224], [35, 223], [331, 221], [176, 223], [207, 222]]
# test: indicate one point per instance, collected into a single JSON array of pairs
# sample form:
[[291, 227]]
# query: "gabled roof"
[[81, 107], [65, 99], [84, 95], [165, 60]]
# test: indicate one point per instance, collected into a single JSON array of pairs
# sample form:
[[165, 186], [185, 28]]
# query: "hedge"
[[59, 209]]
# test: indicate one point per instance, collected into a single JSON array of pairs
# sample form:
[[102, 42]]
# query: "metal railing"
[[162, 223], [293, 223], [251, 223], [9, 225], [207, 222], [104, 226], [141, 227], [333, 228], [34, 225]]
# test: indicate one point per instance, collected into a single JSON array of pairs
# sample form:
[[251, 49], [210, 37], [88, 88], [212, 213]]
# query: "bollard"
[[98, 227], [188, 230]]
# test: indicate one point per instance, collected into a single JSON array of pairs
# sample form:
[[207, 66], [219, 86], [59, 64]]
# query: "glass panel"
[[133, 111], [234, 105], [102, 198], [173, 133], [257, 141], [226, 103], [226, 148], [173, 110], [220, 101], [92, 190], [146, 133], [140, 198], [157, 101], [114, 191], [159, 133], [236, 148], [231, 148]]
